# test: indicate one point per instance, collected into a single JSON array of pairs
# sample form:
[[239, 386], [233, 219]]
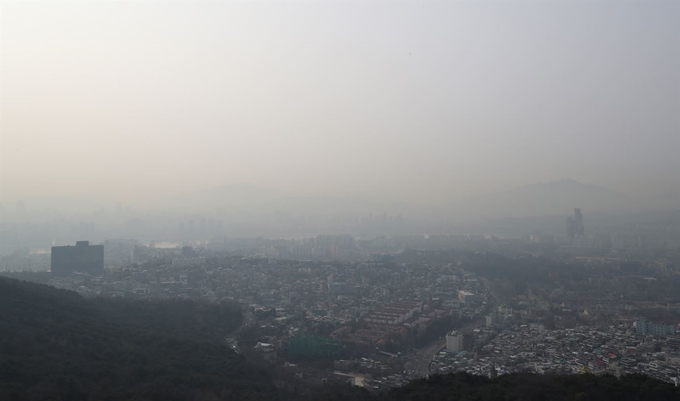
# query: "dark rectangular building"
[[83, 258]]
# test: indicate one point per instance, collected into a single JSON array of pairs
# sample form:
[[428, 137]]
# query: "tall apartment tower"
[[578, 222], [575, 227], [83, 258], [454, 341]]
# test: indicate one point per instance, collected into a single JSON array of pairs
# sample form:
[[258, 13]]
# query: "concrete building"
[[83, 258], [492, 319], [454, 341], [468, 297], [579, 229], [648, 328], [575, 227]]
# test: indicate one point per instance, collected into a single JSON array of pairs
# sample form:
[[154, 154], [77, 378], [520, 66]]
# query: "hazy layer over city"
[[407, 107]]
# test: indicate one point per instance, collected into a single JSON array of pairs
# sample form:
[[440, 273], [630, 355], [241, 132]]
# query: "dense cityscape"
[[380, 312], [272, 200]]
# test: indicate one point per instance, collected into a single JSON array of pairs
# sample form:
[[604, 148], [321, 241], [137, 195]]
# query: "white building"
[[454, 341], [468, 297]]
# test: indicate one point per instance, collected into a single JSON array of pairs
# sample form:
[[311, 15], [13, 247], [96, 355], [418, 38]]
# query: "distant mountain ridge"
[[558, 197], [549, 198], [241, 190], [253, 198]]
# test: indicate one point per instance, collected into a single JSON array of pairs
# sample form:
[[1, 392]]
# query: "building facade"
[[654, 329], [454, 341], [83, 258]]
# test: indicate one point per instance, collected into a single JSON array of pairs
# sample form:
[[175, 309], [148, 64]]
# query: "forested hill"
[[515, 387], [56, 345]]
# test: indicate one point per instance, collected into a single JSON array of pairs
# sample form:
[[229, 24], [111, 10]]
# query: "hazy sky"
[[416, 100]]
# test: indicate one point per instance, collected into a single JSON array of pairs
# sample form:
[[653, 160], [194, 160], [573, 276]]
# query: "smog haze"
[[427, 104]]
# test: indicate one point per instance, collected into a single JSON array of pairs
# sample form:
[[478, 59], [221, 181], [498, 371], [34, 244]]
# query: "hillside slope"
[[56, 345]]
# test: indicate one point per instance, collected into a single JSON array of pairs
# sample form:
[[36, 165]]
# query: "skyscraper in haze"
[[83, 257], [575, 227], [578, 222]]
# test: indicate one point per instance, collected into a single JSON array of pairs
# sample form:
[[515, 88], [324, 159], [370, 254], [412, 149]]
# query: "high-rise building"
[[578, 222], [83, 257], [454, 341], [575, 226]]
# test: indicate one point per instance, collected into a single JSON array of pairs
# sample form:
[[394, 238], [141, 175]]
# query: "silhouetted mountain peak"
[[562, 185], [239, 190], [551, 198]]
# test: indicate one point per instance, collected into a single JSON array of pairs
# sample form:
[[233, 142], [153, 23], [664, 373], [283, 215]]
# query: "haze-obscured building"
[[468, 297], [82, 257], [626, 241], [654, 329], [579, 229], [575, 227], [454, 341]]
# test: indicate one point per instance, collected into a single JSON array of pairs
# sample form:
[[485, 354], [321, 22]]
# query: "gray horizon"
[[426, 105]]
